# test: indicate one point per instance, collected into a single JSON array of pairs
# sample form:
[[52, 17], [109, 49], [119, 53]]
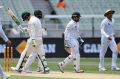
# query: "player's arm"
[[104, 33], [102, 30], [3, 35], [68, 29]]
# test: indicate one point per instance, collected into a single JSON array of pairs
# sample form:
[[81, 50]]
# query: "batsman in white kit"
[[34, 43], [33, 55], [2, 34], [108, 40], [72, 35]]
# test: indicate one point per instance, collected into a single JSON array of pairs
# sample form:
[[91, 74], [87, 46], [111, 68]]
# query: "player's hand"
[[80, 40], [110, 37], [34, 42], [25, 30], [8, 43]]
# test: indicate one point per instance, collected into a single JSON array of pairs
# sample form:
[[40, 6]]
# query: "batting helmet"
[[108, 12], [38, 13], [25, 15]]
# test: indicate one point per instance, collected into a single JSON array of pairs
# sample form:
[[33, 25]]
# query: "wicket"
[[8, 58]]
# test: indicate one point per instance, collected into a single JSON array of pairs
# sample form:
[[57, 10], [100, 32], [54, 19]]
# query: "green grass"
[[26, 77], [90, 65]]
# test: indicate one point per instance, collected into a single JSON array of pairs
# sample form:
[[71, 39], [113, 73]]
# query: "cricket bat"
[[14, 18], [12, 15]]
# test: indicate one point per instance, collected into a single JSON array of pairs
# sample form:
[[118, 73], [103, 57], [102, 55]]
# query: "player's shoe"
[[102, 69], [27, 71], [14, 69], [46, 71], [115, 68], [60, 67], [39, 69], [78, 71]]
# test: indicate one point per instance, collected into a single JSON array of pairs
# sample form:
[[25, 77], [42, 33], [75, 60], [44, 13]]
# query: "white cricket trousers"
[[75, 54], [33, 56], [105, 43], [28, 49]]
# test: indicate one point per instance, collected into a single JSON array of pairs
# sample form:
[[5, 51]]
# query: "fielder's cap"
[[109, 11], [25, 15], [76, 14]]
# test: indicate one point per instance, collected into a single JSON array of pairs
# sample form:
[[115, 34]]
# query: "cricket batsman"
[[108, 40], [34, 43], [33, 55], [72, 35]]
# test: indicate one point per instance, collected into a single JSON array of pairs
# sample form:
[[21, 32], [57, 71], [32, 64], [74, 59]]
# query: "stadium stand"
[[89, 10], [53, 25], [88, 7], [17, 6], [42, 5]]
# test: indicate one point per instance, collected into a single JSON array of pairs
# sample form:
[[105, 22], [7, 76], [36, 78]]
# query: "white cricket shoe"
[[15, 69], [26, 70], [60, 67], [46, 71], [115, 68], [78, 71], [102, 69]]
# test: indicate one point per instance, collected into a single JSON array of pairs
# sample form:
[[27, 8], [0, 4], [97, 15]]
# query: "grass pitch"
[[90, 65]]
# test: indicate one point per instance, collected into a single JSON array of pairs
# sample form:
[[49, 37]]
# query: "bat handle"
[[20, 27]]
